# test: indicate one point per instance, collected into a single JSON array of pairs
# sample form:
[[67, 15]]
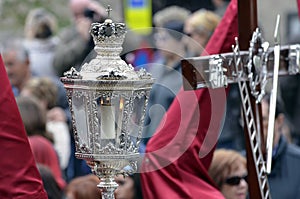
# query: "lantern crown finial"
[[108, 38], [108, 65], [103, 31], [108, 30]]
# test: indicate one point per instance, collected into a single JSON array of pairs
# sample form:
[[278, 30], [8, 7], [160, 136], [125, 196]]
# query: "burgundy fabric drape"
[[19, 177], [179, 154], [298, 3]]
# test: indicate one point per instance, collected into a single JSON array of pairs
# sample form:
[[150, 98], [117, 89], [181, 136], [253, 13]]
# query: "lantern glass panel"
[[135, 124], [81, 119]]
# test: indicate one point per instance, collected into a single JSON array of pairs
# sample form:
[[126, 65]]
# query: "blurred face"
[[16, 69], [78, 7], [125, 189], [235, 186], [166, 44], [197, 40]]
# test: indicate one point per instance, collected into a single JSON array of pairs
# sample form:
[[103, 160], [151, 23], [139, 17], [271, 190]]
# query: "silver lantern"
[[107, 99]]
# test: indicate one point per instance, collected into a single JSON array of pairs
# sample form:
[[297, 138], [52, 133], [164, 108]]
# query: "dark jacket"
[[284, 179], [164, 90], [72, 51]]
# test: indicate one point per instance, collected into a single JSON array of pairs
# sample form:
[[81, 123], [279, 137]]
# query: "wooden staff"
[[247, 20]]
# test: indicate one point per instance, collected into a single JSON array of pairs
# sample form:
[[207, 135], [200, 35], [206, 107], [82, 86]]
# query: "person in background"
[[44, 90], [33, 117], [169, 40], [171, 17], [34, 120], [289, 87], [284, 179], [199, 26], [129, 187], [228, 169], [18, 67], [83, 187], [75, 41], [49, 182], [40, 41], [220, 6], [191, 5], [17, 63]]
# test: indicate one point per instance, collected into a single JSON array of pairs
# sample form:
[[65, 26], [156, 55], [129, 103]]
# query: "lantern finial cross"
[[108, 10]]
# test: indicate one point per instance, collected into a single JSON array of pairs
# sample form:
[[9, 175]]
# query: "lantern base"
[[108, 187], [106, 170]]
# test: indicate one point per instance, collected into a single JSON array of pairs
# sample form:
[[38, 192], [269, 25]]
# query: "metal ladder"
[[254, 141]]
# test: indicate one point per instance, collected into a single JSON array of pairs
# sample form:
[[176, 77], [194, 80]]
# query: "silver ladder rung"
[[256, 148], [243, 86], [251, 122], [267, 194], [245, 100], [248, 110], [259, 159], [253, 135], [264, 183], [261, 172]]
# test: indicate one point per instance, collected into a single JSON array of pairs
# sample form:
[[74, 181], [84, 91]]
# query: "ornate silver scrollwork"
[[258, 75], [294, 59], [143, 74], [217, 78], [262, 71], [237, 59], [72, 73]]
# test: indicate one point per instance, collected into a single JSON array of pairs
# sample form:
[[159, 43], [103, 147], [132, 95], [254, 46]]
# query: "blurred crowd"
[[35, 63]]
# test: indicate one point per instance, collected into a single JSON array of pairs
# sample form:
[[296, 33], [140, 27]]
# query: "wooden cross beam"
[[217, 71]]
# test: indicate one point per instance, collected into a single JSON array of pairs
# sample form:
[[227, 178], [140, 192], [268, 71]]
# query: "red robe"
[[298, 3], [45, 154], [19, 177], [179, 154]]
